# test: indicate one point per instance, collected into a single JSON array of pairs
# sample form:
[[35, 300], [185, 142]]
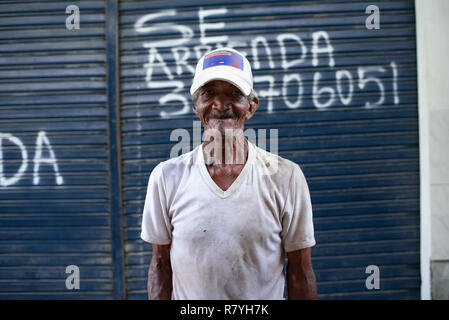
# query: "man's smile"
[[222, 115]]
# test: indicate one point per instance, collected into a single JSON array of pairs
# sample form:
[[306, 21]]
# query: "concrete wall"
[[432, 27]]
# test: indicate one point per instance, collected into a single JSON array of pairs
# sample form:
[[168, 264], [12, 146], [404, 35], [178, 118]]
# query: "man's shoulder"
[[276, 165], [175, 164]]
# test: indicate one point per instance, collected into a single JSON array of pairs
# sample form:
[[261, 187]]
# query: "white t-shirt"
[[228, 244]]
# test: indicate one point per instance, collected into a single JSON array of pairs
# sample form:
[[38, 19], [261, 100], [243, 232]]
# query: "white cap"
[[224, 64]]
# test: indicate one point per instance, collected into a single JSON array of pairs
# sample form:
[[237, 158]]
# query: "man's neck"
[[227, 151]]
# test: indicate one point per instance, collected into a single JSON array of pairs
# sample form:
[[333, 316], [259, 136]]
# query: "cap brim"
[[220, 73]]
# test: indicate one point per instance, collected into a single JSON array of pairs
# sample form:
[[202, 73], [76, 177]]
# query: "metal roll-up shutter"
[[342, 97], [54, 197]]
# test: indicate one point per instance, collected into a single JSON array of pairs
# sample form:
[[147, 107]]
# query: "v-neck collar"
[[237, 182]]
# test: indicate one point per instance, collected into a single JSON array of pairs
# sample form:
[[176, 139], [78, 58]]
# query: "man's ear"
[[195, 110], [253, 105]]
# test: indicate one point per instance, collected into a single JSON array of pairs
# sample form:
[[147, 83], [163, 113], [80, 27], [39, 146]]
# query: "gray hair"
[[250, 97]]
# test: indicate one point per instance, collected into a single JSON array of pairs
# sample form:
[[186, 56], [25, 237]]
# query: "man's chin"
[[227, 122], [223, 118], [222, 124]]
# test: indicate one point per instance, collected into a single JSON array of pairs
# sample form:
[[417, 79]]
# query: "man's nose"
[[222, 102]]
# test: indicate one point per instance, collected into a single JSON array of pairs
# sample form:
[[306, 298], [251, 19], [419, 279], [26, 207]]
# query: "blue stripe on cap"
[[223, 58]]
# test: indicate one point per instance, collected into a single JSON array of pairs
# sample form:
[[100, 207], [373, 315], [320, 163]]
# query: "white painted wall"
[[432, 32]]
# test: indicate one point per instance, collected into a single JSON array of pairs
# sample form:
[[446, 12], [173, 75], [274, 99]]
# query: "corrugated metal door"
[[54, 195], [342, 97]]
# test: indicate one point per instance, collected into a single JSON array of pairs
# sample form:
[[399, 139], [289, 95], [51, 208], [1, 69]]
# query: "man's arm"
[[160, 274], [301, 282]]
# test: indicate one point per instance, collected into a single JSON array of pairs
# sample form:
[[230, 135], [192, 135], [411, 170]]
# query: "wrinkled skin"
[[221, 106]]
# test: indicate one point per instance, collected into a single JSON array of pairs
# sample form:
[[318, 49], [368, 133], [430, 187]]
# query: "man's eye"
[[237, 94], [208, 92]]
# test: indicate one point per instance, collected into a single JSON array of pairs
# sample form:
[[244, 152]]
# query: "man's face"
[[221, 105]]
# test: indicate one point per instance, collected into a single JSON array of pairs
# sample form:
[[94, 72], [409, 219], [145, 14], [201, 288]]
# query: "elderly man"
[[221, 217]]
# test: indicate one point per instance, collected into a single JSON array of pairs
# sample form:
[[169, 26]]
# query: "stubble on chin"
[[221, 124], [229, 142]]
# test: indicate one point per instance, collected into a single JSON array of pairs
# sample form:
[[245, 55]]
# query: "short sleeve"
[[156, 224], [297, 218]]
